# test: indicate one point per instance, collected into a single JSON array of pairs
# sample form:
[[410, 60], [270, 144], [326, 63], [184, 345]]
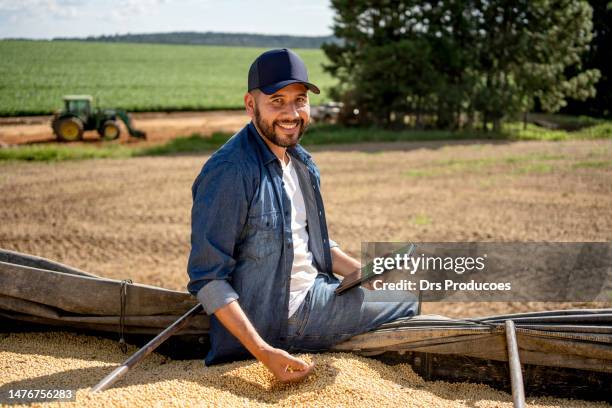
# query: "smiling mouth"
[[288, 126]]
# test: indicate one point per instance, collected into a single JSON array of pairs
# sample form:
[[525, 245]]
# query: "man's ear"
[[249, 104]]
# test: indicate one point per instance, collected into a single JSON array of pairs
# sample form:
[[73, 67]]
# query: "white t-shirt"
[[303, 272]]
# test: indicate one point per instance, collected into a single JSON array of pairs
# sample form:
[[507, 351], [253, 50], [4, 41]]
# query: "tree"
[[453, 59], [598, 57], [378, 60]]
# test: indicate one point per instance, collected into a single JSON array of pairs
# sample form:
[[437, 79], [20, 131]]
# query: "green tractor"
[[79, 116]]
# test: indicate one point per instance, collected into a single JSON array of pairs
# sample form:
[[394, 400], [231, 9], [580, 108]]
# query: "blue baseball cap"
[[275, 69]]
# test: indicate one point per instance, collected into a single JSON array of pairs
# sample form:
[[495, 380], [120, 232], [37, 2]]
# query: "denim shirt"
[[241, 242]]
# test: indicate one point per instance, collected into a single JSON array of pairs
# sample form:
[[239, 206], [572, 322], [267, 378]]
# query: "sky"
[[46, 19]]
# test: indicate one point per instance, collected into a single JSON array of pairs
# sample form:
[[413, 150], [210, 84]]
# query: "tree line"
[[459, 64], [212, 38]]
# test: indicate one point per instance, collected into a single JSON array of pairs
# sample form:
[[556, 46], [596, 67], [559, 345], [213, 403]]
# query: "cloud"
[[37, 8], [126, 9], [139, 7], [41, 10]]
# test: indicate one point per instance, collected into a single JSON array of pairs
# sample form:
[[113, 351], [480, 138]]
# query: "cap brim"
[[270, 89]]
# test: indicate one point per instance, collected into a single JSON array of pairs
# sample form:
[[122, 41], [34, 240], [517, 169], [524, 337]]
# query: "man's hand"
[[369, 284], [350, 268], [284, 366]]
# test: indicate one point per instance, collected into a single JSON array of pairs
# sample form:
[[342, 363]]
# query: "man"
[[261, 262]]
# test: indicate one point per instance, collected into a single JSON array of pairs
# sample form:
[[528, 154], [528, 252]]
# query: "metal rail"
[[147, 349], [516, 375]]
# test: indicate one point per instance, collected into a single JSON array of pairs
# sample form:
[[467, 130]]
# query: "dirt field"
[[130, 218]]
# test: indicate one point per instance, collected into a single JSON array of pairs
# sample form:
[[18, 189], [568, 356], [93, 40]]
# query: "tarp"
[[39, 291], [580, 339]]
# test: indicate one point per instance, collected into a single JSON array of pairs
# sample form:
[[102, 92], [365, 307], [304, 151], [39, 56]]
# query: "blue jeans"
[[325, 319]]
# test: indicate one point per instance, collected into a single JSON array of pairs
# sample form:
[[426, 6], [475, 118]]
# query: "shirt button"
[[287, 213], [320, 213], [289, 245]]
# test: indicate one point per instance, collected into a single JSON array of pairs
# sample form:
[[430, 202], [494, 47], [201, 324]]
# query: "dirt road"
[[160, 127]]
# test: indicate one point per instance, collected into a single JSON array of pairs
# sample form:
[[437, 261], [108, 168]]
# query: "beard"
[[267, 130]]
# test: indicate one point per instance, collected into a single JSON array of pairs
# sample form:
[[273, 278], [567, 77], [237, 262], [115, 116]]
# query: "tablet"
[[367, 273]]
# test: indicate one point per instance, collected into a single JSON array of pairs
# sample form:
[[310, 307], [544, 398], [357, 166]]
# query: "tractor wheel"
[[68, 129], [109, 130]]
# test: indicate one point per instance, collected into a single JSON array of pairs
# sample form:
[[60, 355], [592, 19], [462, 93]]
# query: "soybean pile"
[[76, 362], [134, 77], [130, 219]]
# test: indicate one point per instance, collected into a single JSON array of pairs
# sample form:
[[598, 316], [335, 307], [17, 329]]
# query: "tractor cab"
[[78, 105]]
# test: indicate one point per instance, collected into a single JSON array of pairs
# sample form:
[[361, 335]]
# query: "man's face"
[[282, 117]]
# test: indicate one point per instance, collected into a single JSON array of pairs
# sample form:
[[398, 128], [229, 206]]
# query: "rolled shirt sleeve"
[[215, 294], [218, 215]]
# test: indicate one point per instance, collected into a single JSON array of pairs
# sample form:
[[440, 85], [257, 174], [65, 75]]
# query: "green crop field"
[[138, 77]]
